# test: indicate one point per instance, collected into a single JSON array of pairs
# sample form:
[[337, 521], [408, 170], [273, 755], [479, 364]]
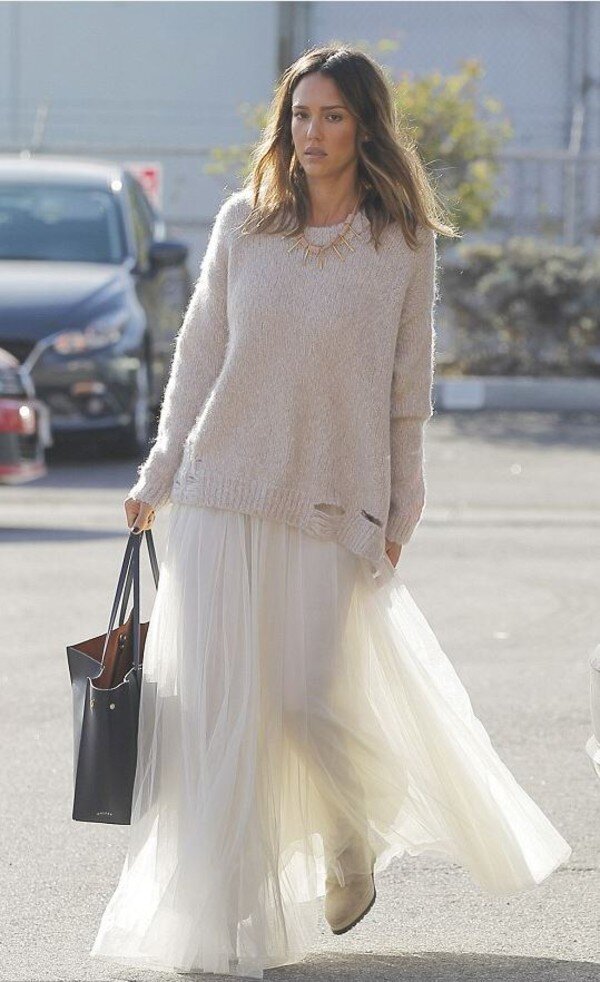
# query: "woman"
[[300, 725]]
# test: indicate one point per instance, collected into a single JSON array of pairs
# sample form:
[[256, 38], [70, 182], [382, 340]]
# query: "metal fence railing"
[[550, 193], [553, 194]]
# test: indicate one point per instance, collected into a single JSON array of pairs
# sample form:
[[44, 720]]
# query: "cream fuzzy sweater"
[[299, 393]]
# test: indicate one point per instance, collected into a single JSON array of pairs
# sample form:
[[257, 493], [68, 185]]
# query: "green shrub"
[[524, 307]]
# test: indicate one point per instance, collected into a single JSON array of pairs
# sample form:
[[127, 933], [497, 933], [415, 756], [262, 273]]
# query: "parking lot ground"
[[505, 566]]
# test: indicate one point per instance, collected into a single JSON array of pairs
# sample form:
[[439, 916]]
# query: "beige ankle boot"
[[347, 902]]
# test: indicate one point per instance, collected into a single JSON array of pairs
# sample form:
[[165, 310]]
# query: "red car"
[[24, 425]]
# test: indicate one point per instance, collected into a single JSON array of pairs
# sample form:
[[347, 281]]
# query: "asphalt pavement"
[[505, 566]]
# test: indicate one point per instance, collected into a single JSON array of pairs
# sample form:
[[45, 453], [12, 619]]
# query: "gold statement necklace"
[[320, 252]]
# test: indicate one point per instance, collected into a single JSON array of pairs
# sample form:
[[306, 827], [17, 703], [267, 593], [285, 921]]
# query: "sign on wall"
[[150, 176]]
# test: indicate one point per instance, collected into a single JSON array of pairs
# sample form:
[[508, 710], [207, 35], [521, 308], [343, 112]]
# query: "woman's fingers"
[[140, 515], [393, 550], [144, 518]]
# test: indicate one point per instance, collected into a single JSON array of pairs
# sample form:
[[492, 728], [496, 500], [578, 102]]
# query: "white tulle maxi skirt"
[[292, 700]]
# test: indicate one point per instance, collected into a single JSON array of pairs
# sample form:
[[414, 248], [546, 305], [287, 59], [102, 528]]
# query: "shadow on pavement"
[[434, 967], [25, 533]]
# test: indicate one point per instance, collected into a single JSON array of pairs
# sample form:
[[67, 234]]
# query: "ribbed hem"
[[401, 528], [197, 483], [154, 494]]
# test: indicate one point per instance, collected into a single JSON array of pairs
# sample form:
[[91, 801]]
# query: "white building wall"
[[523, 47], [133, 77], [128, 76]]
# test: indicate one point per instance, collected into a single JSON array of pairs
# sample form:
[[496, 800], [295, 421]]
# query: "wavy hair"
[[394, 185]]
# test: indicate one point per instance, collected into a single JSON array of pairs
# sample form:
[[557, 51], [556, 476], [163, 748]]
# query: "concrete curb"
[[522, 393]]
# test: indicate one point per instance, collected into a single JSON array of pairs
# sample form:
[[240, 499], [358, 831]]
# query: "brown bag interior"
[[119, 652]]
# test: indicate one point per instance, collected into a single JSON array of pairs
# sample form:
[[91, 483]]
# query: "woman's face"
[[321, 120]]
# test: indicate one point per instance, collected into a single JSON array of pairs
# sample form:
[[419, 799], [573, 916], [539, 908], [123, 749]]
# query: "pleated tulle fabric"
[[293, 702]]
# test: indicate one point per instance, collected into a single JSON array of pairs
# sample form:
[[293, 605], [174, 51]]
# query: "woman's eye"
[[335, 116]]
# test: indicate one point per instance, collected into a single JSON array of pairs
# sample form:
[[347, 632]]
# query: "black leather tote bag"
[[106, 679]]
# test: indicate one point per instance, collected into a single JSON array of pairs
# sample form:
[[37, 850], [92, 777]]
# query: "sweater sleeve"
[[199, 353], [411, 401]]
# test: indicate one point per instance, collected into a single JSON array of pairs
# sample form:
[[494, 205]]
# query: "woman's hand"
[[140, 515], [393, 550]]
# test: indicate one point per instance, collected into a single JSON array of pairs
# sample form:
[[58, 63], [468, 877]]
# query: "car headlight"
[[99, 333]]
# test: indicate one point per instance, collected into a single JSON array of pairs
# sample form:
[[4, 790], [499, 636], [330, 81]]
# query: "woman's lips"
[[315, 153]]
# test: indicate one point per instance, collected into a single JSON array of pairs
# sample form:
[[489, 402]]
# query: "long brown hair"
[[393, 181]]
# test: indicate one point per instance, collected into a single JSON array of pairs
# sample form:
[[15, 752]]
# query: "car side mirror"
[[167, 253]]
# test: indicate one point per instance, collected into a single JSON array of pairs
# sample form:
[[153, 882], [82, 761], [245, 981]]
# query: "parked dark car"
[[91, 294], [24, 425]]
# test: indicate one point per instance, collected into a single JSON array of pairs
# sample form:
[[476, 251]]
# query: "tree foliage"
[[459, 131]]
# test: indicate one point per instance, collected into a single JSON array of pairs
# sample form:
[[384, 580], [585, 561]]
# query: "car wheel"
[[132, 440]]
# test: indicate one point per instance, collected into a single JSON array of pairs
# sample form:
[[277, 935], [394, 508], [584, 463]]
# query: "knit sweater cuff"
[[153, 494], [156, 476], [400, 526]]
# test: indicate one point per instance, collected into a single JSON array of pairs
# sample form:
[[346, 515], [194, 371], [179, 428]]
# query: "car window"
[[60, 223]]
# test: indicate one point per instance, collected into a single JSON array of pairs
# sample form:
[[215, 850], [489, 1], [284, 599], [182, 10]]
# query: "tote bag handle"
[[130, 570], [155, 574]]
